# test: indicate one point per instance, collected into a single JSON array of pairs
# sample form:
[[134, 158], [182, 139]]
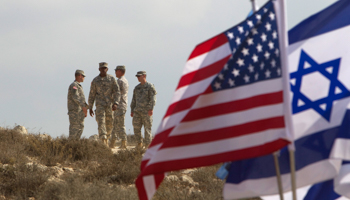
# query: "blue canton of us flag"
[[255, 53]]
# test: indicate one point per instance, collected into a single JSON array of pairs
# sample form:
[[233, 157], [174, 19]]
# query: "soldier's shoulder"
[[138, 86], [74, 84], [96, 78], [151, 85], [123, 77], [110, 77], [123, 80]]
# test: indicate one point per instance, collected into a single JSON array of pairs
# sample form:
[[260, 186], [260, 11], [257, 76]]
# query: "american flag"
[[228, 105]]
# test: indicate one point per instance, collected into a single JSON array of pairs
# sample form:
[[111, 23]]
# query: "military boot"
[[123, 144], [112, 143]]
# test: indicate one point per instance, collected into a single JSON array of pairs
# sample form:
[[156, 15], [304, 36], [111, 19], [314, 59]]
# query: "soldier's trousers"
[[119, 125], [104, 118], [76, 124], [144, 119]]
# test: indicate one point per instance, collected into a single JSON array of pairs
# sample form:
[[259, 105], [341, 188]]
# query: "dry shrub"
[[98, 173], [75, 187], [62, 150], [121, 168], [209, 183], [209, 187], [11, 147], [131, 140], [21, 181]]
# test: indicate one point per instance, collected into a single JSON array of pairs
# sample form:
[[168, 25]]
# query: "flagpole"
[[292, 171], [288, 111], [278, 175], [254, 6]]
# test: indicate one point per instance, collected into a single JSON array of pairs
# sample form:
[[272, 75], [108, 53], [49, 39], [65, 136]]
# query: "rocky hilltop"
[[37, 166]]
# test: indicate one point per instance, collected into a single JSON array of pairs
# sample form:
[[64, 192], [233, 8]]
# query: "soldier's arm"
[[133, 102], [92, 95], [152, 97], [76, 96], [115, 92]]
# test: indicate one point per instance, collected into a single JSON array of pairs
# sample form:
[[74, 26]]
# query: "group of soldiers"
[[110, 96]]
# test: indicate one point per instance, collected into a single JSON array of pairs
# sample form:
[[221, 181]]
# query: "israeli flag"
[[319, 62], [325, 190], [322, 191]]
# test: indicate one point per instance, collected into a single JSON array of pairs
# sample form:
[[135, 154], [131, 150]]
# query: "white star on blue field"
[[337, 90]]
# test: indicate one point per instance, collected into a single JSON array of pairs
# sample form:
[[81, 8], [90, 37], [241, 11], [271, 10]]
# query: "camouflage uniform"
[[143, 100], [119, 114], [105, 91], [76, 100]]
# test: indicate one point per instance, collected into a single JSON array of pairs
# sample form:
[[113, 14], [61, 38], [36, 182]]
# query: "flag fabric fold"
[[325, 190], [319, 60], [229, 104]]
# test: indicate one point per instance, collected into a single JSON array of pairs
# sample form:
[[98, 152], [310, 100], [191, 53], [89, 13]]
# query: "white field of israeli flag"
[[319, 62]]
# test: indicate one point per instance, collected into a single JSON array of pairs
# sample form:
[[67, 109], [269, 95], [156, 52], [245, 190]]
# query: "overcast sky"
[[43, 42]]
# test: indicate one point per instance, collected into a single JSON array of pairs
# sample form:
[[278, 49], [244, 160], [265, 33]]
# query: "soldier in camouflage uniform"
[[77, 107], [119, 113], [142, 104], [105, 92]]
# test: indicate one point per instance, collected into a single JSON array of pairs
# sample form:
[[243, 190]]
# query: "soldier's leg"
[[147, 122], [81, 124], [121, 131], [137, 124], [74, 125], [101, 118], [114, 133], [109, 121], [119, 127]]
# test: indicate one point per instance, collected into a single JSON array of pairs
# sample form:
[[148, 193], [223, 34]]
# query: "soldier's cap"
[[103, 64], [122, 67], [78, 71], [140, 73]]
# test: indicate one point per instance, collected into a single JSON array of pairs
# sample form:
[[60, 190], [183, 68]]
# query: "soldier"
[[142, 104], [105, 91], [77, 107], [119, 114]]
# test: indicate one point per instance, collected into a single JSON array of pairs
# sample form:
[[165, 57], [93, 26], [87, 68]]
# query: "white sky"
[[43, 42]]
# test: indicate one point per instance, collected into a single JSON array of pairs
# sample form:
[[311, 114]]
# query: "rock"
[[40, 167], [68, 169], [21, 130], [55, 180], [7, 166], [44, 136], [57, 171], [171, 178], [193, 190], [189, 180], [131, 186], [188, 171], [94, 137]]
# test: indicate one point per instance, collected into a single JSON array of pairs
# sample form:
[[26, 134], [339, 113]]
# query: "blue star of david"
[[322, 106]]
